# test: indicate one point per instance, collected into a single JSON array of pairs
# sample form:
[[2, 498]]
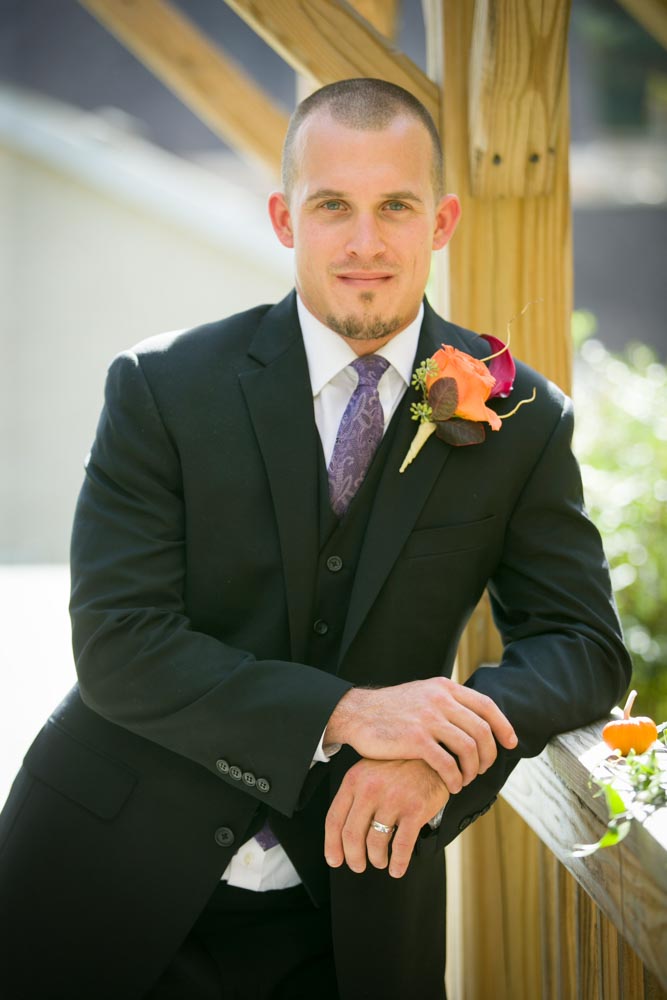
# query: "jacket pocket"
[[450, 538], [72, 768]]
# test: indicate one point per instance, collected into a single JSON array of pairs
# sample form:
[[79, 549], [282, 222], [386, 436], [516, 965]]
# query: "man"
[[249, 791]]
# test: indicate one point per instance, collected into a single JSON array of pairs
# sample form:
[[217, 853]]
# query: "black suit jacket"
[[193, 559]]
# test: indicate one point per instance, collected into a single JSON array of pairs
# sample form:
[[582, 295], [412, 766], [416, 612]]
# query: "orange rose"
[[474, 383]]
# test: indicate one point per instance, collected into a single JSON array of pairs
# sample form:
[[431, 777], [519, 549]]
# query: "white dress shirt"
[[333, 381]]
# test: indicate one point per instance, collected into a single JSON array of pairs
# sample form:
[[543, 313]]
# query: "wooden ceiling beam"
[[202, 76], [327, 40], [651, 14], [382, 14], [516, 85]]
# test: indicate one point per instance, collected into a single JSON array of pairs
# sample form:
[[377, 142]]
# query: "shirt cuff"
[[437, 819], [324, 752]]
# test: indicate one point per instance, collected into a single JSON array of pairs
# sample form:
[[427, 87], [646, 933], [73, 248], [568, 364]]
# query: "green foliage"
[[421, 373], [621, 442], [633, 787], [421, 412]]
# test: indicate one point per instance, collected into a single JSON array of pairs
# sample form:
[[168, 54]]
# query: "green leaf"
[[615, 803], [613, 836]]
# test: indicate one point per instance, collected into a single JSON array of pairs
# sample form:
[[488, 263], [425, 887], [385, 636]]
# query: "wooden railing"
[[537, 922]]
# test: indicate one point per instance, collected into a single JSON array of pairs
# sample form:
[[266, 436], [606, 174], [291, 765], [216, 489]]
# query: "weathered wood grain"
[[507, 252], [327, 40], [516, 86], [628, 882], [202, 76], [382, 14]]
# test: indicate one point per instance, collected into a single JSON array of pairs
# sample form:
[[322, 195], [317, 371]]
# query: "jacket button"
[[320, 627], [334, 563], [465, 823], [263, 785], [249, 778], [222, 766], [235, 772], [224, 836]]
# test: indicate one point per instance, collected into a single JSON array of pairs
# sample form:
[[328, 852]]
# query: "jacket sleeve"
[[140, 662], [564, 663]]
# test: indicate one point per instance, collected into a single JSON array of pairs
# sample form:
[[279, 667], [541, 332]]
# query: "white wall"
[[100, 248]]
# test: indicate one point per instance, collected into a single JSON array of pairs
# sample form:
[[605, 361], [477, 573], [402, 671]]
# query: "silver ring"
[[381, 828]]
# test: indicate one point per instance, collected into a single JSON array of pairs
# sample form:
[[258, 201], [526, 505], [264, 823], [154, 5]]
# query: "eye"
[[333, 205], [396, 206]]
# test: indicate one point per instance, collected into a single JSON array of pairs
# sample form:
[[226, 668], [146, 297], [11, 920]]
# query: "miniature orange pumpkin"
[[629, 733]]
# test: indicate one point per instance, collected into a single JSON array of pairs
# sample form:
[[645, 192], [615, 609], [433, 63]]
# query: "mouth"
[[364, 280]]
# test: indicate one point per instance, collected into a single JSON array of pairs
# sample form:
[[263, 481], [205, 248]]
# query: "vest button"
[[320, 627], [334, 563], [224, 837]]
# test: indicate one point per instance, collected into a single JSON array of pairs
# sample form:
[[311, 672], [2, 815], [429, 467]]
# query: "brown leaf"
[[443, 398]]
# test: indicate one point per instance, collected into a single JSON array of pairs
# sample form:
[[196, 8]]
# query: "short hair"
[[363, 103]]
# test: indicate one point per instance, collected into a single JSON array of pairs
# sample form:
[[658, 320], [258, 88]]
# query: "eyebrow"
[[406, 195]]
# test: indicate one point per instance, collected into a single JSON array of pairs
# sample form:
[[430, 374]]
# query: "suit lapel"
[[280, 403], [400, 496]]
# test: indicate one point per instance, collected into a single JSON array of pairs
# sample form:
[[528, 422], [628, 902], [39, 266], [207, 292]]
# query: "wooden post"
[[501, 65]]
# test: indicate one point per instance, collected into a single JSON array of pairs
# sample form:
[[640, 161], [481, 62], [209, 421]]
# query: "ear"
[[447, 215], [281, 219]]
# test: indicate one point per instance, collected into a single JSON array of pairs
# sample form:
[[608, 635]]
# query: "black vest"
[[340, 548], [341, 541]]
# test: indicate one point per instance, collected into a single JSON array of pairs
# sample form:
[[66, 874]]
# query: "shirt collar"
[[328, 354]]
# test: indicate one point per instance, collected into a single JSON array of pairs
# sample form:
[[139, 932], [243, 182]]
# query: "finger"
[[377, 844], [444, 765], [354, 835], [334, 853], [459, 742], [486, 709], [402, 846]]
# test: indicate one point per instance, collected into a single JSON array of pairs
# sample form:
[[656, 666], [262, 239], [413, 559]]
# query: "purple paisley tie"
[[359, 434], [266, 838]]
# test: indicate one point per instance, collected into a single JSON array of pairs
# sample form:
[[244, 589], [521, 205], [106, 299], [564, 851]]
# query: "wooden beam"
[[629, 881], [327, 40], [651, 14], [380, 13], [205, 79], [516, 84]]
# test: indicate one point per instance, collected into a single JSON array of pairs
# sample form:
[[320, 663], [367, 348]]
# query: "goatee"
[[369, 328]]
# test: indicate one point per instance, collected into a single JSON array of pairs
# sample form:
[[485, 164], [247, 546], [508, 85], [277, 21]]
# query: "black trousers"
[[254, 946]]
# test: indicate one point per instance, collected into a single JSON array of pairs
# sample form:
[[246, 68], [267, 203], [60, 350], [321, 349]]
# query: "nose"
[[365, 237]]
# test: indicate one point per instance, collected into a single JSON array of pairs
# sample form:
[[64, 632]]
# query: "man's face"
[[363, 219]]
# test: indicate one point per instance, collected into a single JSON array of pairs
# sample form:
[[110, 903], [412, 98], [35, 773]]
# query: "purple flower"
[[501, 366]]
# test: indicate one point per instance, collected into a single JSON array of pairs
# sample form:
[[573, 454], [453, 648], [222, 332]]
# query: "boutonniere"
[[455, 388]]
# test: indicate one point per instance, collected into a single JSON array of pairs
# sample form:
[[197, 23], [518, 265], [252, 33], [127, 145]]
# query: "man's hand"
[[401, 793], [417, 721]]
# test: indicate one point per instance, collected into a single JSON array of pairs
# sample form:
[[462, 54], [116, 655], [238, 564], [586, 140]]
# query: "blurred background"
[[122, 215]]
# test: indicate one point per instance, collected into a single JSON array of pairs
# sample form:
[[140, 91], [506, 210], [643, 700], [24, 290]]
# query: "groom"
[[248, 792]]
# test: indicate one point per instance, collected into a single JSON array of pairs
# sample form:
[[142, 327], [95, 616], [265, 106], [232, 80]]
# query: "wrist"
[[344, 719]]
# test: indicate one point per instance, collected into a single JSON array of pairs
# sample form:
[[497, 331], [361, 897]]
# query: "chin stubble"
[[371, 328]]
